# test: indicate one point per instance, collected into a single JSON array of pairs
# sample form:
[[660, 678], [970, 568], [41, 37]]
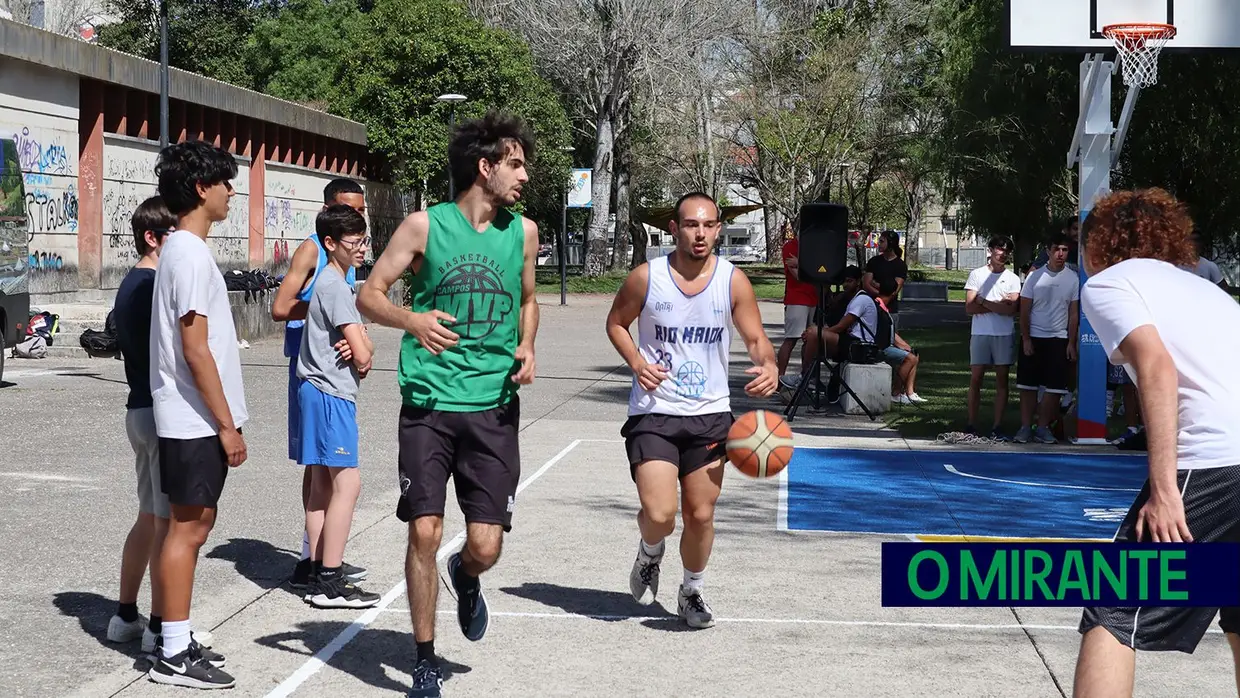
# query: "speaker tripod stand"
[[814, 371]]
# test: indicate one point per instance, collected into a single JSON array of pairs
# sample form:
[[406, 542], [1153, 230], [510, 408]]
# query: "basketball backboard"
[[1075, 26]]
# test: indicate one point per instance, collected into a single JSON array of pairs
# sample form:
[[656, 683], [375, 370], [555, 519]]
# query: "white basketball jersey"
[[690, 336]]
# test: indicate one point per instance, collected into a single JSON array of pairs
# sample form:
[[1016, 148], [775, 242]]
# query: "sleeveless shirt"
[[476, 278], [691, 337], [293, 328]]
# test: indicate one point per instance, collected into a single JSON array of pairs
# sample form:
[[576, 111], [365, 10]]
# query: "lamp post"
[[163, 74], [452, 99], [564, 235]]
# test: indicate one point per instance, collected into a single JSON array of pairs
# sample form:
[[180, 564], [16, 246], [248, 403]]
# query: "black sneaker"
[[303, 575], [427, 680], [191, 669], [353, 573], [340, 593], [471, 606], [214, 658]]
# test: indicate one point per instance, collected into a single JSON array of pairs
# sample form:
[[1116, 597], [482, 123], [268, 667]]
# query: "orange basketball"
[[760, 443]]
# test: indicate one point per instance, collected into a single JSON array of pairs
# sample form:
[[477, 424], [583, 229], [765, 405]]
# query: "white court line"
[[952, 469], [324, 655], [793, 621]]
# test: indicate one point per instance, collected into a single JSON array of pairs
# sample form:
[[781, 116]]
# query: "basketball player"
[[679, 405], [1175, 334], [290, 305], [468, 346]]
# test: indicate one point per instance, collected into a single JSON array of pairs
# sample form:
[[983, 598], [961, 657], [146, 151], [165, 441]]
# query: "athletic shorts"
[[992, 350], [796, 320], [140, 427], [1212, 512], [328, 428], [294, 412], [479, 450], [192, 471], [690, 443], [1117, 375], [1048, 368]]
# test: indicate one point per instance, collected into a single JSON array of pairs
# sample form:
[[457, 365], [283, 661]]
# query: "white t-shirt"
[[1050, 294], [862, 307], [186, 280], [993, 287], [1200, 326]]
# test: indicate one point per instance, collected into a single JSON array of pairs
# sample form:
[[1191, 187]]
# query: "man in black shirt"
[[132, 311], [887, 268]]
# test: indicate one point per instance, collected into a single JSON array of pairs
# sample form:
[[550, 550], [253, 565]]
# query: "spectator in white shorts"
[[800, 300], [1048, 328], [992, 297]]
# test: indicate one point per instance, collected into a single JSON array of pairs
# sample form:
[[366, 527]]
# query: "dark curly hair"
[[183, 166], [1146, 223], [490, 137]]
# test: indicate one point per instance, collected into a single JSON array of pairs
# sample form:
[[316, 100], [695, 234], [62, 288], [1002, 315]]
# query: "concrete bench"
[[924, 291], [871, 383]]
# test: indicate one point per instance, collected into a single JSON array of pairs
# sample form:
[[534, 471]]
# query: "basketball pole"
[[1096, 158]]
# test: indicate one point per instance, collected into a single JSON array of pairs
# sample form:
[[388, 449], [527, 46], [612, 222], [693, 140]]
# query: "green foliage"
[[408, 54], [299, 54]]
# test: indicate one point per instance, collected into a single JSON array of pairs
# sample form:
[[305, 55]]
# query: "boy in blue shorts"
[[327, 401]]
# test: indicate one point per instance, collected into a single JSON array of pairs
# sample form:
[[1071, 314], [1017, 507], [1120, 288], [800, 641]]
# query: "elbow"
[[281, 312]]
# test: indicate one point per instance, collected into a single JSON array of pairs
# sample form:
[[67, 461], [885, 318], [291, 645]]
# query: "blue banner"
[[1092, 366], [1061, 574]]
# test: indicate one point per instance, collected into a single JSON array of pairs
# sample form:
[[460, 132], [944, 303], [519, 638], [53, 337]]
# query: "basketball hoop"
[[1138, 45]]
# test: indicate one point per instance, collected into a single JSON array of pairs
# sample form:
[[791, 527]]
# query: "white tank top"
[[691, 337]]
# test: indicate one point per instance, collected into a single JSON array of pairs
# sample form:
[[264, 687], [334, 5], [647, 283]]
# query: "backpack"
[[103, 343], [252, 282], [45, 325]]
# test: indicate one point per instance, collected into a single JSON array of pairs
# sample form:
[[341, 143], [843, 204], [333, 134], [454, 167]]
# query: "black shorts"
[[192, 471], [689, 442], [1212, 511], [1048, 367], [478, 449]]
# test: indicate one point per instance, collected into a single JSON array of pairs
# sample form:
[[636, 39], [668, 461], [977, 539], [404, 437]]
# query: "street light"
[[163, 74], [564, 236], [452, 100]]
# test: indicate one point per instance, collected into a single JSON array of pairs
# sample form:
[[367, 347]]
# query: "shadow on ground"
[[607, 606], [366, 658], [258, 561], [93, 611]]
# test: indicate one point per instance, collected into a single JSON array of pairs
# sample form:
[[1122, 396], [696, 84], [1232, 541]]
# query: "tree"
[[300, 53]]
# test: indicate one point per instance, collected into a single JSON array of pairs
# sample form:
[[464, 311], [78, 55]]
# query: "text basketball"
[[760, 443]]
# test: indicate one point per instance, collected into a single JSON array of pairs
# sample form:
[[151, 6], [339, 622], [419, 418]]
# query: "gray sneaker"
[[1024, 435], [1044, 436], [694, 609], [644, 578]]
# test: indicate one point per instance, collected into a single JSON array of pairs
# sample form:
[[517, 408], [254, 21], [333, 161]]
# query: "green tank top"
[[476, 278]]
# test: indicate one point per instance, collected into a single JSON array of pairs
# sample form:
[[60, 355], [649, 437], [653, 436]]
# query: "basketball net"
[[1138, 45]]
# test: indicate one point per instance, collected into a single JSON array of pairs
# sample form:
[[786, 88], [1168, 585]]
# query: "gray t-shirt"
[[332, 306]]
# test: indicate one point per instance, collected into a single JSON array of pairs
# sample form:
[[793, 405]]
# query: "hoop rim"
[[1142, 30]]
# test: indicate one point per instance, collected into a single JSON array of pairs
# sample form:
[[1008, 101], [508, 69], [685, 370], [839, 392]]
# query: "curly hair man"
[[1150, 316]]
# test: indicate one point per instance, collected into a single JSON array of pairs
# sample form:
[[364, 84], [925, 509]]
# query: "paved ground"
[[801, 612]]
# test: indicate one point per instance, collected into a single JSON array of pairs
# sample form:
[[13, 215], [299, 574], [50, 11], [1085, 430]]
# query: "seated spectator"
[[899, 355], [858, 324]]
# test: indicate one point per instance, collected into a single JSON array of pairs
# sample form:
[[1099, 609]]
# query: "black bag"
[[103, 343]]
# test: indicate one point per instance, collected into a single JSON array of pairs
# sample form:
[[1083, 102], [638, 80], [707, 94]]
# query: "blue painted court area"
[[961, 493]]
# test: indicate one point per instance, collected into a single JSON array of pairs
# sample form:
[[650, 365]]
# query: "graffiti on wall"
[[47, 157], [40, 155]]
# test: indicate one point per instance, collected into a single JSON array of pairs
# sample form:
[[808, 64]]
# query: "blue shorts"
[[328, 429], [294, 412], [894, 356]]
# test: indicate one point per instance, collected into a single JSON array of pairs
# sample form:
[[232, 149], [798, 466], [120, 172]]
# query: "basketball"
[[760, 443]]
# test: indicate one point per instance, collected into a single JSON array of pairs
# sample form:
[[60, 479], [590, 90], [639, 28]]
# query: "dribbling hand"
[[432, 335], [765, 383], [1162, 520], [649, 376]]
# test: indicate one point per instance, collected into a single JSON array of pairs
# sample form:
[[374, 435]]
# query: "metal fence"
[[952, 258]]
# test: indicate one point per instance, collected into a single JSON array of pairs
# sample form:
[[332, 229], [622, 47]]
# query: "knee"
[[662, 518], [424, 535], [195, 533], [700, 516], [485, 550]]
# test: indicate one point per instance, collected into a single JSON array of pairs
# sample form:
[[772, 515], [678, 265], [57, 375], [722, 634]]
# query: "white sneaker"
[[120, 631], [901, 400], [917, 398], [202, 637], [694, 609], [644, 577]]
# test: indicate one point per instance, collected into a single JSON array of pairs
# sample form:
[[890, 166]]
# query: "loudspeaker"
[[823, 243]]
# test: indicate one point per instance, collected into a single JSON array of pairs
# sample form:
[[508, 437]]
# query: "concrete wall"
[[39, 110]]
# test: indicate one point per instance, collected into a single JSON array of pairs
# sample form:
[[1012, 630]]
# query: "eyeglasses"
[[352, 245]]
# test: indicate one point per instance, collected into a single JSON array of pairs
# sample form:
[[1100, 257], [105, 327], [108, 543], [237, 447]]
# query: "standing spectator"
[[992, 296], [1072, 229], [1205, 268], [888, 266], [800, 299], [1048, 328]]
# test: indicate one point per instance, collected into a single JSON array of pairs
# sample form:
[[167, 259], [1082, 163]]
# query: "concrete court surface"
[[800, 613]]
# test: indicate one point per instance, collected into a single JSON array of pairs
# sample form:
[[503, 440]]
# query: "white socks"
[[695, 581], [652, 551], [175, 637], [305, 545]]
